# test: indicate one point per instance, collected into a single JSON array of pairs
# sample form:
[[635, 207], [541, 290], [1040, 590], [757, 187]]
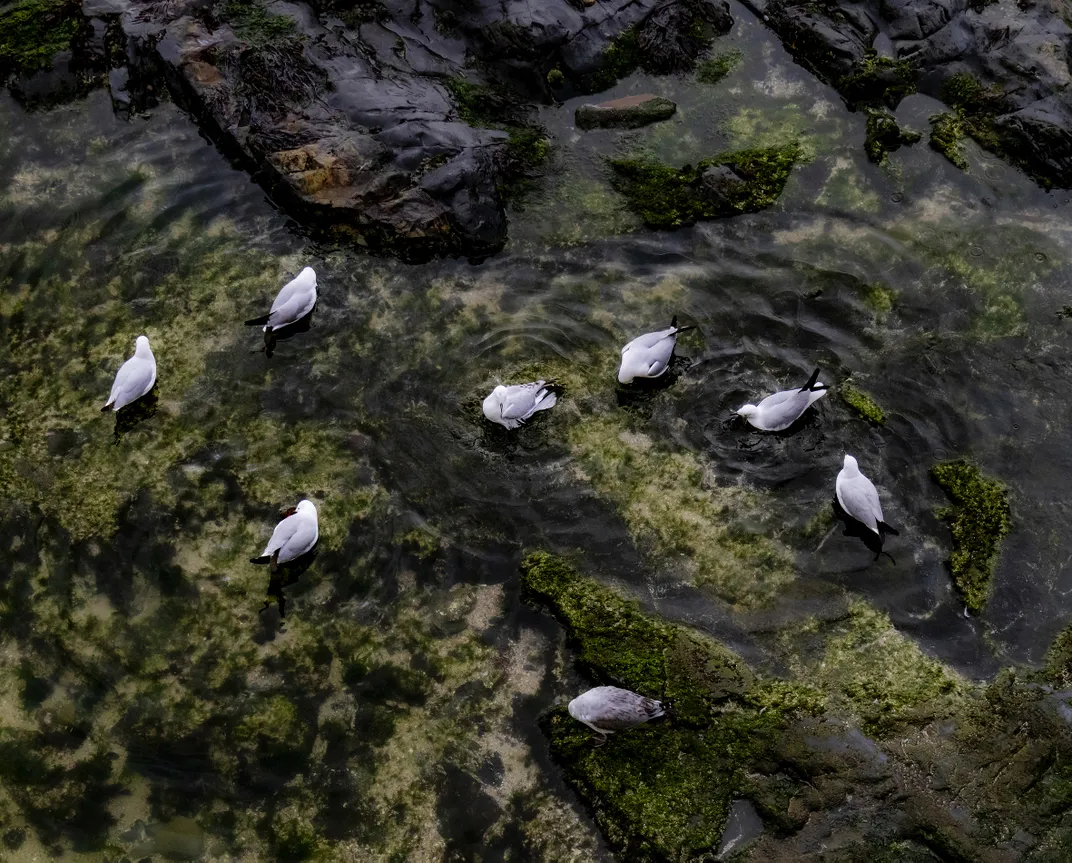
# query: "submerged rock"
[[884, 135], [630, 112], [978, 521], [883, 751], [878, 51], [744, 181]]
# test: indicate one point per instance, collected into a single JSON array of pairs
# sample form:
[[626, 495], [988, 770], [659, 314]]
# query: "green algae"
[[947, 131], [667, 197], [1058, 666], [878, 80], [672, 505], [978, 520], [714, 69], [884, 135], [880, 297], [32, 32], [661, 792], [862, 404], [620, 58], [847, 189]]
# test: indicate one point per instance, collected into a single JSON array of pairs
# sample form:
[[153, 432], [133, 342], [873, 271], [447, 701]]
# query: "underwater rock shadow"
[[129, 416]]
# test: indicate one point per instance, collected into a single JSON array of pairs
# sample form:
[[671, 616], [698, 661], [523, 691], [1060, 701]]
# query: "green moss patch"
[[714, 69], [978, 520], [947, 130], [667, 197], [674, 509], [884, 135], [32, 32], [878, 80], [256, 26], [974, 109], [660, 792], [862, 404]]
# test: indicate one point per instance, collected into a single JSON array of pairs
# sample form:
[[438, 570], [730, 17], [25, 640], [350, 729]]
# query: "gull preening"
[[859, 498], [135, 377], [779, 411], [510, 406], [292, 303], [607, 709], [293, 536], [648, 356]]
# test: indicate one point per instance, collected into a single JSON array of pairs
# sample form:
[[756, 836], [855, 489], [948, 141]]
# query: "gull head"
[[747, 410], [625, 374], [141, 347], [573, 709], [308, 274], [306, 507], [493, 404], [851, 466]]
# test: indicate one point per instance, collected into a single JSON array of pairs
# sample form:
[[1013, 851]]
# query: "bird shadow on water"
[[639, 394], [126, 418], [284, 575], [273, 337], [852, 527]]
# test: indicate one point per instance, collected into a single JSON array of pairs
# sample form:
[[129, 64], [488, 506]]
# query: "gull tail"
[[810, 385], [255, 322], [106, 408], [674, 325], [886, 529], [263, 559]]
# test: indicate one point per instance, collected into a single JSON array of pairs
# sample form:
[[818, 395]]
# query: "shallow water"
[[159, 709]]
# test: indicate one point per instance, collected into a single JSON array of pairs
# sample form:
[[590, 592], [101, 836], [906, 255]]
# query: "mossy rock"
[[978, 520], [862, 404], [32, 32], [658, 793], [661, 791], [884, 135], [947, 130], [621, 645], [744, 181], [878, 80]]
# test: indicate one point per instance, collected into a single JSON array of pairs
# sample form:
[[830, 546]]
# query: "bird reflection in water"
[[872, 540], [282, 576], [271, 337]]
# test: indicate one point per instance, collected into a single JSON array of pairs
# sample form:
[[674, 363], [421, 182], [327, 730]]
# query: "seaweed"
[[978, 520], [862, 403]]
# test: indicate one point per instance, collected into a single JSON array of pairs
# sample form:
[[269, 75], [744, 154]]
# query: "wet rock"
[[745, 181], [630, 112], [884, 135], [370, 121], [878, 51], [824, 787]]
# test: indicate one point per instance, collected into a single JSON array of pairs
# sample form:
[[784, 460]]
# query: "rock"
[[884, 135], [370, 121], [631, 112], [877, 51], [744, 181]]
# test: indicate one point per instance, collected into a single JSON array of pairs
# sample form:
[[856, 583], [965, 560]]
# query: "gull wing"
[[859, 498], [135, 378]]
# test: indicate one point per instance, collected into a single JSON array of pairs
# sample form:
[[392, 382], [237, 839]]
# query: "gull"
[[135, 377], [293, 536], [607, 709], [511, 406], [858, 497], [648, 356], [292, 303], [779, 411]]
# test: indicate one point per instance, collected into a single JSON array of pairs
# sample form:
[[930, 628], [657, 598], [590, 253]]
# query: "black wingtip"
[[673, 322], [255, 322], [887, 529], [811, 382], [106, 408], [263, 559]]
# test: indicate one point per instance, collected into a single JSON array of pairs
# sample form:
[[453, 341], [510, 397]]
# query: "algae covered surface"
[[402, 697]]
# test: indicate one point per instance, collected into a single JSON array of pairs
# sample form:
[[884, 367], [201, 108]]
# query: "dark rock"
[[369, 120], [876, 52], [631, 112]]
